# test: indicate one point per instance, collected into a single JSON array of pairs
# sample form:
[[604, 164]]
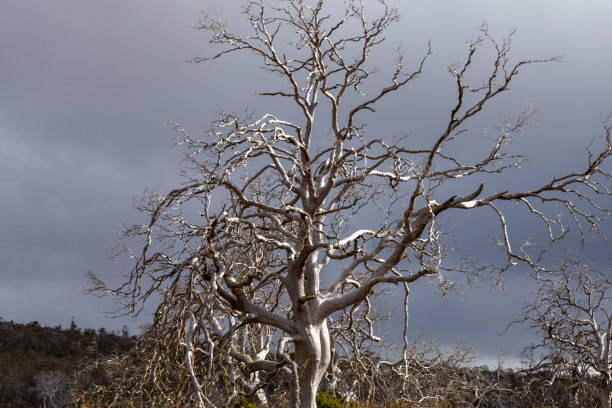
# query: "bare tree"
[[572, 316], [274, 231], [426, 376], [53, 387]]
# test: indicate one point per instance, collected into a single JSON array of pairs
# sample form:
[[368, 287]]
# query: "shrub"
[[327, 400], [243, 403]]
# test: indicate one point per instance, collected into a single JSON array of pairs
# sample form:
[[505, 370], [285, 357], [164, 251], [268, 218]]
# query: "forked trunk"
[[312, 357]]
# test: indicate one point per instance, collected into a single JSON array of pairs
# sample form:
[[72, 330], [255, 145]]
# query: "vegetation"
[[243, 403], [88, 368], [31, 354], [327, 400]]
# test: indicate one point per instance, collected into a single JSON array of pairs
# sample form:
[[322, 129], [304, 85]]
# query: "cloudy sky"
[[87, 89]]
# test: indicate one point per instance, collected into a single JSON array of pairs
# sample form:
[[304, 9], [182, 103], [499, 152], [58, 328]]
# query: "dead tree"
[[572, 314], [280, 225], [53, 387]]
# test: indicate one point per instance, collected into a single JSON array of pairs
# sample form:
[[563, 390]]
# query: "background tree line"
[[38, 363]]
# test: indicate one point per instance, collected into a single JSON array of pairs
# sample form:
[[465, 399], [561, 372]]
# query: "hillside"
[[27, 351]]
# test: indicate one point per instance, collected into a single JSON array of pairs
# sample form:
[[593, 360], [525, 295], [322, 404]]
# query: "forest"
[[38, 364]]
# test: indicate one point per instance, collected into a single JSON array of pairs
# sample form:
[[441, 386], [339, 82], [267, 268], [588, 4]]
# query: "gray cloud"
[[87, 89]]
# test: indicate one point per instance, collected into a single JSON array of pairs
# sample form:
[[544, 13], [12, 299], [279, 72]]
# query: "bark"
[[312, 356], [261, 400]]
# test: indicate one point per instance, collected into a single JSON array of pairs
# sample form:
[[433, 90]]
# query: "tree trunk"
[[573, 396], [312, 356], [261, 400]]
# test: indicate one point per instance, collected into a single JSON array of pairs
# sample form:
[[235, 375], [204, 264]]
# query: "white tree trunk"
[[261, 400], [312, 356]]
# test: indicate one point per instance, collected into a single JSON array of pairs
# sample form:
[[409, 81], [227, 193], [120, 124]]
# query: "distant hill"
[[29, 350]]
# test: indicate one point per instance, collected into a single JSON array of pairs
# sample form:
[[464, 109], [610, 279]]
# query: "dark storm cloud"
[[86, 89]]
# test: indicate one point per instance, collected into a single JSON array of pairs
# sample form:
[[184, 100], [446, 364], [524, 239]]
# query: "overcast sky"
[[87, 89]]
